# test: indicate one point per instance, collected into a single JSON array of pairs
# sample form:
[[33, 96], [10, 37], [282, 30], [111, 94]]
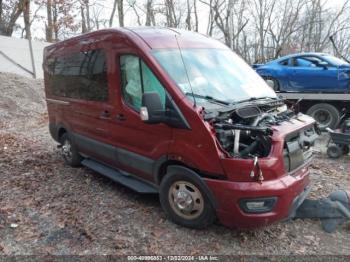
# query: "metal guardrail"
[[17, 64]]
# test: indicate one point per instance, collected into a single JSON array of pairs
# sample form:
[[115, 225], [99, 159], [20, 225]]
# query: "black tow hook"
[[333, 210]]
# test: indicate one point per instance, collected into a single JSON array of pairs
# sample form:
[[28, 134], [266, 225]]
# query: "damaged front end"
[[266, 150], [264, 139]]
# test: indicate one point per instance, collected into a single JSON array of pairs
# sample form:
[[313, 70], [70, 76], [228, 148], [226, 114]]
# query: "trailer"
[[326, 108]]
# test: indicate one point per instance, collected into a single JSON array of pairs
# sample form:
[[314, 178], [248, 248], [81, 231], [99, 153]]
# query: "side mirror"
[[152, 111]]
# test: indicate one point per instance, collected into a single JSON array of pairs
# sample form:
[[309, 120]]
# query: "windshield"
[[214, 74], [335, 61]]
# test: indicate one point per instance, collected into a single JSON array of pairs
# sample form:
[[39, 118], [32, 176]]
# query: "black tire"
[[326, 115], [206, 214], [334, 151], [345, 149], [69, 151], [276, 83]]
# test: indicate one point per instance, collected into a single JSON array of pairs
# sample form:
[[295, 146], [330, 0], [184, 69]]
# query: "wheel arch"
[[57, 130], [175, 167]]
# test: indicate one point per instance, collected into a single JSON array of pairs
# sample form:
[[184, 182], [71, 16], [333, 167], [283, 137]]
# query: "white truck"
[[326, 108]]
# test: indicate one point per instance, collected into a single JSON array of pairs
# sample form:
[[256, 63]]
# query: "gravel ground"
[[49, 208]]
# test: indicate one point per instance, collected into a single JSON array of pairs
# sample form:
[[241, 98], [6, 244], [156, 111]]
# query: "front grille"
[[298, 148]]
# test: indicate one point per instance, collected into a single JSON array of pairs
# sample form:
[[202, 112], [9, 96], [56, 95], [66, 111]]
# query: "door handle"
[[105, 114], [121, 117]]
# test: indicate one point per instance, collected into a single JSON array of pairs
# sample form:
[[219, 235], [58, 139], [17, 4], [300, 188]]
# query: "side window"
[[284, 62], [136, 79], [301, 62], [93, 76], [80, 75]]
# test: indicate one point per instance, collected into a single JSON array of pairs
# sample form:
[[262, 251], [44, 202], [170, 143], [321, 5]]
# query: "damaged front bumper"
[[290, 190]]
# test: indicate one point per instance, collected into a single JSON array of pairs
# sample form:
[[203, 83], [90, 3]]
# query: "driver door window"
[[136, 79]]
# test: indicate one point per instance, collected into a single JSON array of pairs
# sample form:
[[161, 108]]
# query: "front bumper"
[[290, 191]]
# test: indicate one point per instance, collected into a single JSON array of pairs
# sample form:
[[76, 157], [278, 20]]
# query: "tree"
[[10, 11], [49, 24], [61, 19], [117, 4], [150, 19], [26, 18], [85, 16]]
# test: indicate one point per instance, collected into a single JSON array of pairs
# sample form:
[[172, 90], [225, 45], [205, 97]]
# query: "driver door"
[[139, 144], [311, 74]]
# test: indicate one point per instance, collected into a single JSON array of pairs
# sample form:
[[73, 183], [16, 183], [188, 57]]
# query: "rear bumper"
[[289, 190]]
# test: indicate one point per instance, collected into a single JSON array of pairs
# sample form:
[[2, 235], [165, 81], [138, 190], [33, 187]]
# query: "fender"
[[176, 169]]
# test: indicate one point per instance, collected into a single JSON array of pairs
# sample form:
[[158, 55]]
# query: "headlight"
[[258, 205]]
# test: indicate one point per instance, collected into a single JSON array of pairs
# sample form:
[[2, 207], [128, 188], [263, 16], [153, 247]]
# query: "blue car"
[[307, 72]]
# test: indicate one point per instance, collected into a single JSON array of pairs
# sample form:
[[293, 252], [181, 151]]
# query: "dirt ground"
[[49, 208]]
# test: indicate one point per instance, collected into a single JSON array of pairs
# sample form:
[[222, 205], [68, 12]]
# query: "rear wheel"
[[69, 151], [334, 151], [184, 201], [325, 114]]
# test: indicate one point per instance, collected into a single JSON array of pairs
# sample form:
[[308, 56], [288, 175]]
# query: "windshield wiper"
[[208, 98], [254, 99]]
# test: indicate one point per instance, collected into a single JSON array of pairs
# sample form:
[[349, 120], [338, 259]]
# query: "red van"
[[177, 113]]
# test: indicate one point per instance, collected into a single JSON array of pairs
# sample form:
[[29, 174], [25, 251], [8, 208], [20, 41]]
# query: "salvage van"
[[177, 113]]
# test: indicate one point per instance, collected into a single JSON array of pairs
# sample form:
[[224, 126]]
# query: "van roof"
[[160, 37], [153, 37]]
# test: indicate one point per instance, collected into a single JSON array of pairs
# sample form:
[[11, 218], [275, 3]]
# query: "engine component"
[[248, 112], [246, 132]]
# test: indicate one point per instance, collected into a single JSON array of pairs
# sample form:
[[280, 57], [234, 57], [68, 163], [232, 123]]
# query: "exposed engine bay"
[[245, 131]]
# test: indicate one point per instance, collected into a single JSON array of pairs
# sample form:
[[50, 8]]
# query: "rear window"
[[80, 75]]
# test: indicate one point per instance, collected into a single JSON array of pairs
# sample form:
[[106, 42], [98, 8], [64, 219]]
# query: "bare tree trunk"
[[26, 18], [188, 18], [113, 13], [27, 24], [87, 7], [195, 15], [150, 19], [83, 20], [49, 26], [121, 12], [117, 4], [1, 10], [54, 20], [170, 13], [211, 21]]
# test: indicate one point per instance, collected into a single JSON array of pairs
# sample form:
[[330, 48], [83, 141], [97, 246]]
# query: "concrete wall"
[[18, 50]]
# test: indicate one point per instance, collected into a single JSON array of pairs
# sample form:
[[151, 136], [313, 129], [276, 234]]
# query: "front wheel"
[[184, 201]]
